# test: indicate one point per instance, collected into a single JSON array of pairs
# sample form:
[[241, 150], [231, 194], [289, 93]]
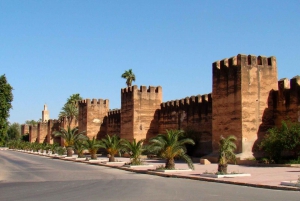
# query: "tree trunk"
[[69, 151], [93, 154], [170, 164], [112, 158], [222, 168], [80, 154]]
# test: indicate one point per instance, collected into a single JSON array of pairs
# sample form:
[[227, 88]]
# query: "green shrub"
[[284, 138]]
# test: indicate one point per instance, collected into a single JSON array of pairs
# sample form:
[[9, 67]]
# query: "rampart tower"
[[242, 100], [45, 114], [91, 117], [139, 112]]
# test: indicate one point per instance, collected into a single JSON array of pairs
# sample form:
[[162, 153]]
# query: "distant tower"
[[45, 114]]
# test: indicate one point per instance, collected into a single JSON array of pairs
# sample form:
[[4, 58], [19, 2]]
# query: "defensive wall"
[[246, 100], [91, 117]]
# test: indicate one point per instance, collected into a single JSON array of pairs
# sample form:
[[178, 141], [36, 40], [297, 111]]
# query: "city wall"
[[191, 114], [246, 100]]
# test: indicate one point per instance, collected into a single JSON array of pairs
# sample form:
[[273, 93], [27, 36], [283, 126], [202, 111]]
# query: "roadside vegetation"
[[282, 144], [170, 146]]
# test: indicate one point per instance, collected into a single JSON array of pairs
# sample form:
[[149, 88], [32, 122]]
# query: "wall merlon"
[[198, 99], [216, 65], [143, 88], [253, 60], [112, 112], [204, 98], [283, 83], [193, 99], [224, 63], [295, 82]]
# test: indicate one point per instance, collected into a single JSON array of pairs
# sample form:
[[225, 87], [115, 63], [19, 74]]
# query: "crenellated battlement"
[[245, 60], [114, 112], [93, 102], [288, 93], [188, 101], [200, 104], [142, 89]]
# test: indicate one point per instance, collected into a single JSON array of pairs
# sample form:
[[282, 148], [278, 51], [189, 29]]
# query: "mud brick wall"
[[24, 129], [42, 129], [287, 100], [242, 100], [33, 133], [139, 112], [192, 113], [113, 122], [91, 117], [53, 126]]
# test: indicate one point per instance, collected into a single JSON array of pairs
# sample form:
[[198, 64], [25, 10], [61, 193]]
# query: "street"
[[25, 177]]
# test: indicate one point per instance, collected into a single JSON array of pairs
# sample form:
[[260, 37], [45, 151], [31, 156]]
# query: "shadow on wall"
[[268, 121], [153, 127]]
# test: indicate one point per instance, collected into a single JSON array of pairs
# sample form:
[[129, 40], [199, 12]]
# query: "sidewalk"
[[262, 177]]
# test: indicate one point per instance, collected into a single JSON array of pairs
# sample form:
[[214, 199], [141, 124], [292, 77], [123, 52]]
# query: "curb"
[[151, 172]]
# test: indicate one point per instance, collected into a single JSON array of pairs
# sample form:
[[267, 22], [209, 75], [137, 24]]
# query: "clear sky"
[[52, 49]]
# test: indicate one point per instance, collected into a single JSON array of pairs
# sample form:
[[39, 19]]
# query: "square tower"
[[91, 117], [139, 112], [242, 100]]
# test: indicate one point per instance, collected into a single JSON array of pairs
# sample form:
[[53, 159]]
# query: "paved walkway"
[[264, 177]]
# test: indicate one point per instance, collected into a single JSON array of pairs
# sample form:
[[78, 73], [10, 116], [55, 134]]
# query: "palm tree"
[[113, 145], [129, 76], [135, 150], [70, 112], [71, 136], [226, 152], [53, 147], [70, 109], [171, 145], [79, 148], [92, 145]]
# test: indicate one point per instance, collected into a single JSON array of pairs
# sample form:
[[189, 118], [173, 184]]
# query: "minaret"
[[45, 114]]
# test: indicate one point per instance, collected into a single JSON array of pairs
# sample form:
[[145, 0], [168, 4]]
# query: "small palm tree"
[[71, 136], [53, 147], [113, 145], [79, 148], [129, 76], [135, 150], [226, 152], [171, 145], [92, 145]]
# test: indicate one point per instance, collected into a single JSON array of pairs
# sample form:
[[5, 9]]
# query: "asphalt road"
[[25, 177]]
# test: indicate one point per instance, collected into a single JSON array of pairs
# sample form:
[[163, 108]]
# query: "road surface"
[[25, 177]]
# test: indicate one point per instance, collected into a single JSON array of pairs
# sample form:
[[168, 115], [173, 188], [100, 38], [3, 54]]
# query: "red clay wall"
[[287, 100], [139, 112], [91, 117], [242, 99], [192, 113], [113, 122]]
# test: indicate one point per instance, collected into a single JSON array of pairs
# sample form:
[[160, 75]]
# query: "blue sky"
[[52, 49]]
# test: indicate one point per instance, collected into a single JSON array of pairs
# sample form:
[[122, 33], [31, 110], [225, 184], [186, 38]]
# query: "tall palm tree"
[[70, 109], [171, 145], [129, 76], [70, 112], [92, 145], [135, 150], [112, 144], [226, 152], [71, 136]]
